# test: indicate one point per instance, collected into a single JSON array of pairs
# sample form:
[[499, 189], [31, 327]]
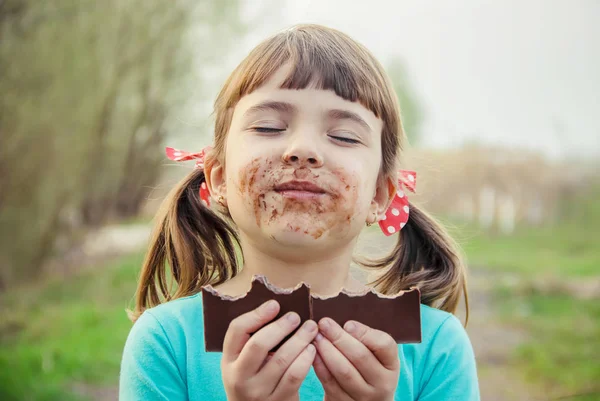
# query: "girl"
[[307, 143]]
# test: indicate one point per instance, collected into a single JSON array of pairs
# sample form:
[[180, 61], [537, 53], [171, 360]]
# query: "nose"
[[303, 153]]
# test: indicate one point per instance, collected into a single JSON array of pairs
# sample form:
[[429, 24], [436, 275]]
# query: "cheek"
[[355, 193], [248, 186]]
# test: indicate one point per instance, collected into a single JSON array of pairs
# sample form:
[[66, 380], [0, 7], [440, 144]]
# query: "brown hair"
[[197, 246]]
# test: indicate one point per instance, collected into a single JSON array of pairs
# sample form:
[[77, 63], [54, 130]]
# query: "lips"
[[300, 190], [300, 186]]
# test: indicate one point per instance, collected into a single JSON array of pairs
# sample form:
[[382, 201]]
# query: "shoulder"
[[176, 312], [442, 334], [153, 364], [444, 361], [435, 322], [167, 325]]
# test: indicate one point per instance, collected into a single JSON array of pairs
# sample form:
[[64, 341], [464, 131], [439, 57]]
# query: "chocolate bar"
[[220, 310], [398, 315]]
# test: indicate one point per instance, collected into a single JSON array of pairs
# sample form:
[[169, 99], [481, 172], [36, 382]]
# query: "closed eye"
[[344, 139], [267, 130]]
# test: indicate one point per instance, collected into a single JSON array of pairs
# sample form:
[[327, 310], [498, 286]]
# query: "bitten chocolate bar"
[[398, 315]]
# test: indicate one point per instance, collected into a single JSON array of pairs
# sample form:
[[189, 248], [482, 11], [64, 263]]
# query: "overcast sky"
[[523, 73]]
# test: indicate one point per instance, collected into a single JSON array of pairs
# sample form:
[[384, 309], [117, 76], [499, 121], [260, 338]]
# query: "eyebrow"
[[348, 115], [282, 107], [288, 108]]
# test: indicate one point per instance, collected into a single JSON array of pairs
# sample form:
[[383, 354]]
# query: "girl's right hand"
[[248, 373]]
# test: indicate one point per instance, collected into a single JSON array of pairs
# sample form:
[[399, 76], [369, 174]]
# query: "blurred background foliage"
[[88, 90], [91, 92]]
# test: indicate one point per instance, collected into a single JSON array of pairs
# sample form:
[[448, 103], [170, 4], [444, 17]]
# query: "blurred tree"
[[88, 93], [409, 104]]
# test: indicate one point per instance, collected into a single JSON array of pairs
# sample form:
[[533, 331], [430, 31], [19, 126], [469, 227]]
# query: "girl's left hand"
[[356, 363]]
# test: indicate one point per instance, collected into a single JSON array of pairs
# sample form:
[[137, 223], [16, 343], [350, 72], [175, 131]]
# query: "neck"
[[325, 272]]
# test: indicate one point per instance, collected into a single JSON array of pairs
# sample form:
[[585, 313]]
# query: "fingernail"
[[319, 337], [350, 327], [292, 318], [311, 349], [270, 306], [325, 324], [309, 326]]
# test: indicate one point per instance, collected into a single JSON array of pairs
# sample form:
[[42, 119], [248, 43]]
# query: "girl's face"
[[302, 166]]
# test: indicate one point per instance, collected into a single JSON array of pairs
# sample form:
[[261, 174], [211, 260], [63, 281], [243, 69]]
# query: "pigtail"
[[191, 245], [425, 257]]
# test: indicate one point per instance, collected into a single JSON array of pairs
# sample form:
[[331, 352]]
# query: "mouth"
[[300, 190]]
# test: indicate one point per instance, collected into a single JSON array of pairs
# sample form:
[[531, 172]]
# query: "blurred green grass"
[[567, 247], [562, 355], [558, 250], [563, 352], [66, 332]]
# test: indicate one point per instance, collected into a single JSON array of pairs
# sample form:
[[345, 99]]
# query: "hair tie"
[[181, 156], [396, 216]]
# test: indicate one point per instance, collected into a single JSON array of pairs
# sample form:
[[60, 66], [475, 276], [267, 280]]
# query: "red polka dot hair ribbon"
[[181, 156], [396, 216]]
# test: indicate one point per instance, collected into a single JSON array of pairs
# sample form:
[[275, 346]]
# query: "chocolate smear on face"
[[330, 213]]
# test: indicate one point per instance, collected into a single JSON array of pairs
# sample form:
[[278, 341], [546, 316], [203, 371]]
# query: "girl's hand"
[[358, 363], [248, 371]]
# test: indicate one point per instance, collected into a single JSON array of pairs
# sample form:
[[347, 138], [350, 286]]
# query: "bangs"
[[319, 59]]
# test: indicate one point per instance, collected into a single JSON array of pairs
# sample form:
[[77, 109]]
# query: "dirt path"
[[492, 341]]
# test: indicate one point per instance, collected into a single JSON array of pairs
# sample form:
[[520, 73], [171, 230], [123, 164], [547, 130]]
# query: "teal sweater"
[[164, 359]]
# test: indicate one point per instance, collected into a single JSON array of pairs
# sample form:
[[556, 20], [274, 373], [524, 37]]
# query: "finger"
[[275, 368], [340, 367], [295, 374], [264, 340], [324, 375], [330, 384], [241, 328], [381, 344], [267, 359], [356, 352]]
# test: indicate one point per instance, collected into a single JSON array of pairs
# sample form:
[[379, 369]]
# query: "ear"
[[384, 195], [216, 181]]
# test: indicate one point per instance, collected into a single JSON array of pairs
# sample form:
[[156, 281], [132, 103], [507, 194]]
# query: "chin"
[[288, 233]]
